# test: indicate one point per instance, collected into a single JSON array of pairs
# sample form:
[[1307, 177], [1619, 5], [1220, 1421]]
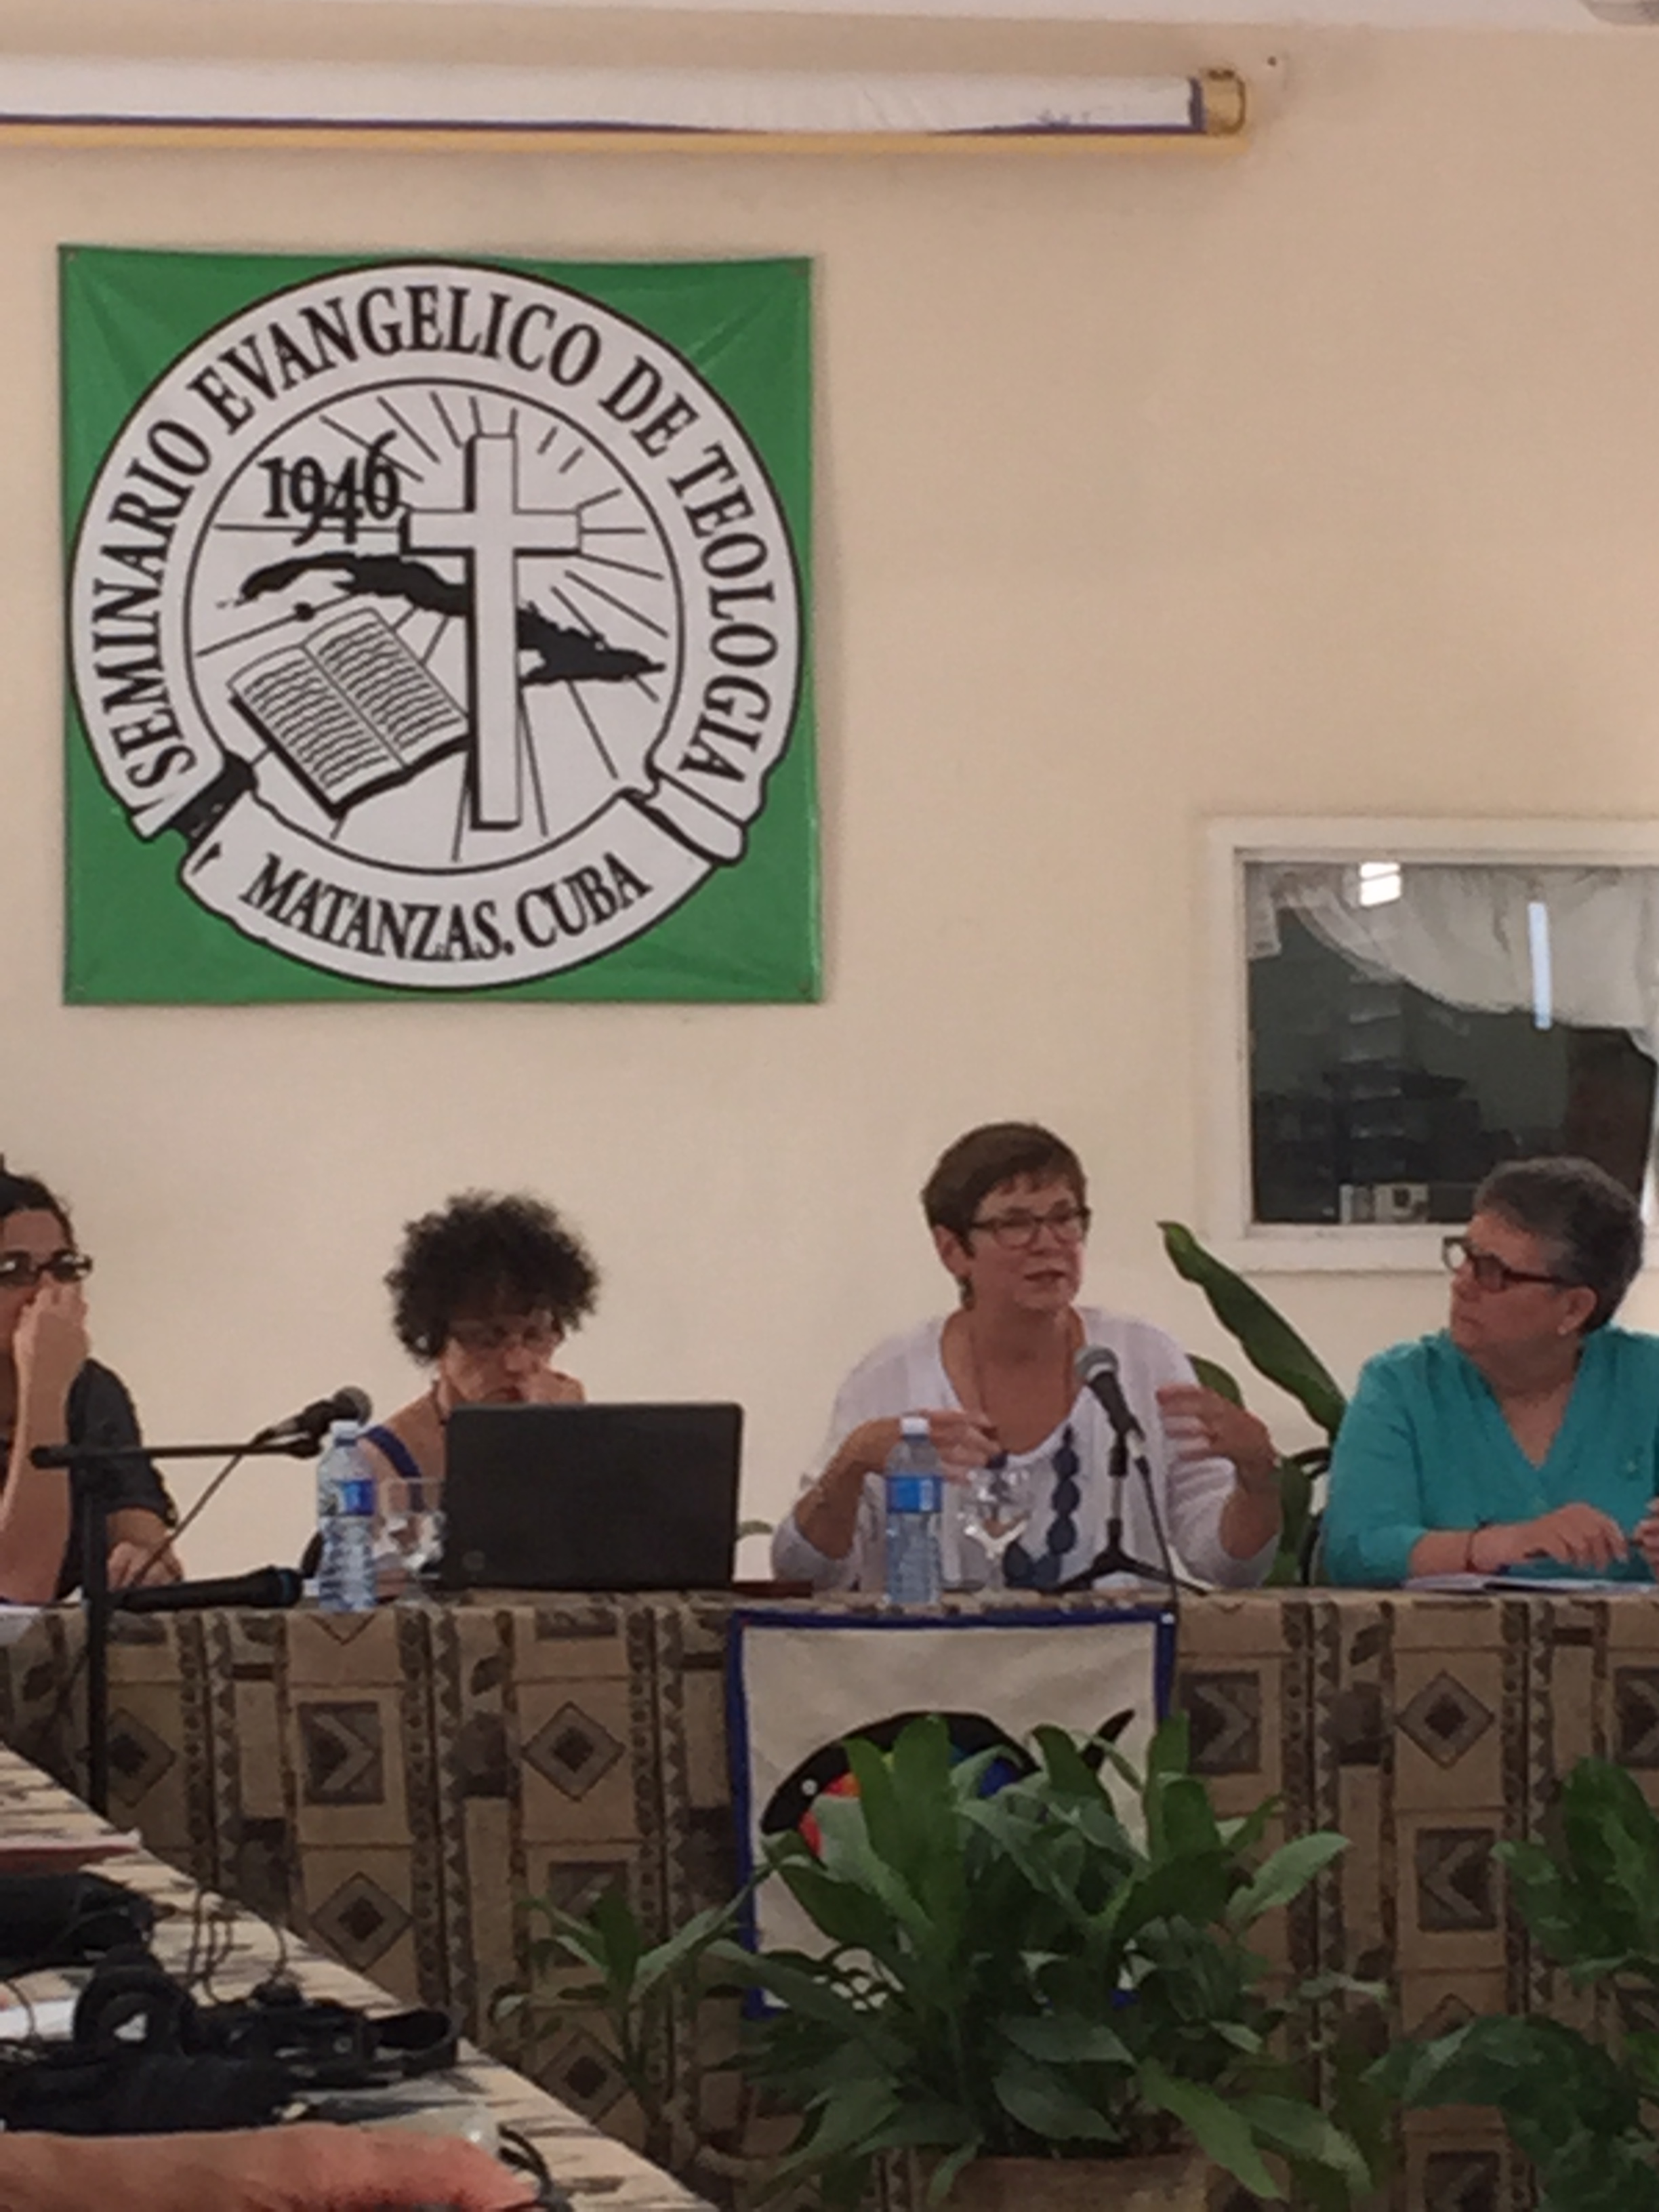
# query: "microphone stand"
[[93, 1463], [1113, 1559]]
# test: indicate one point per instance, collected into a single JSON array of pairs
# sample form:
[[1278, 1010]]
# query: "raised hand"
[[50, 1348], [1201, 1424]]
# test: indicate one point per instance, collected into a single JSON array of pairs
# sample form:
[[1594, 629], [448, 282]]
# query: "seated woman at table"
[[53, 1392], [1526, 1432], [483, 1292], [1007, 1206]]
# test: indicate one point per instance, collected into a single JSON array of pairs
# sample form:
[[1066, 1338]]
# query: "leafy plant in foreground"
[[1585, 2112], [1025, 1974]]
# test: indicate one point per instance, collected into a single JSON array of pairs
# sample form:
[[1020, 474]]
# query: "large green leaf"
[[1042, 2100], [843, 1911], [1220, 2131], [1304, 2132], [1267, 1338], [1283, 1875], [1068, 2038]]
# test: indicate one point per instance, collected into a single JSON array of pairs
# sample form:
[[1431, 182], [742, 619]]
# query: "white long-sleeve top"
[[907, 1374]]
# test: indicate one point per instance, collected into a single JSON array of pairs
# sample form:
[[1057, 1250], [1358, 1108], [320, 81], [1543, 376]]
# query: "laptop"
[[590, 1497]]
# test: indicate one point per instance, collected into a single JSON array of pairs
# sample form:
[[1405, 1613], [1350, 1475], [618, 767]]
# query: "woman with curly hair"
[[483, 1292]]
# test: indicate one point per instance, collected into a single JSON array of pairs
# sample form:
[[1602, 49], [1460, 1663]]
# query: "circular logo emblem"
[[450, 616]]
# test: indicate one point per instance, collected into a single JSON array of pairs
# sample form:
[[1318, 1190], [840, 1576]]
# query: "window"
[[1407, 1005]]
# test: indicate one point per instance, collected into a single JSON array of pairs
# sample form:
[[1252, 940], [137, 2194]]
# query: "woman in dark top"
[[483, 1292], [52, 1392]]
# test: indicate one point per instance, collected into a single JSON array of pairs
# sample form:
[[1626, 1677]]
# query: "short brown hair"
[[1592, 1222], [996, 1152]]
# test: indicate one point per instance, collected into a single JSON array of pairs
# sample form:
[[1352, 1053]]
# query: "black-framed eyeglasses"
[[1019, 1227], [1488, 1270], [538, 1334], [21, 1271]]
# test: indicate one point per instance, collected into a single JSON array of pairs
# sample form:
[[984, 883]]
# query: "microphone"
[[1096, 1368], [265, 1589], [313, 1421]]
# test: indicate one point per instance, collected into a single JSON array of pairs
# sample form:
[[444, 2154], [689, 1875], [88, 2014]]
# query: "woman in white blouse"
[[1008, 1207]]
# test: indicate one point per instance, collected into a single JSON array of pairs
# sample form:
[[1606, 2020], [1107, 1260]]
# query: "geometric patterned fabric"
[[393, 1785]]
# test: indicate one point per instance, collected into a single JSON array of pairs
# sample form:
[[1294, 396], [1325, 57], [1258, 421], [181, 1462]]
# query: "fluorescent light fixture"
[[93, 101], [1538, 945]]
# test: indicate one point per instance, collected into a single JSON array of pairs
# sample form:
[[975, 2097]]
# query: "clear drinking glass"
[[998, 1506], [409, 1539]]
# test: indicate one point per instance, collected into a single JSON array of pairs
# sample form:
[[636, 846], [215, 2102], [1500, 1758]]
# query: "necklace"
[[1065, 1395]]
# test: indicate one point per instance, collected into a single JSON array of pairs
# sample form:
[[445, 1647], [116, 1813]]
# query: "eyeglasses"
[[1488, 1270], [536, 1333], [1015, 1230], [21, 1271]]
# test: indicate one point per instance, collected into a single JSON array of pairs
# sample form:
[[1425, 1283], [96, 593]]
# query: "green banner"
[[438, 626]]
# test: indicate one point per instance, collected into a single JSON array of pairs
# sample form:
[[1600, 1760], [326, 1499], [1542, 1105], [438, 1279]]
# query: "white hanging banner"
[[799, 1684]]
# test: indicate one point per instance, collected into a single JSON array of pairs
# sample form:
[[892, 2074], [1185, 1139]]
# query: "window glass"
[[1411, 1024]]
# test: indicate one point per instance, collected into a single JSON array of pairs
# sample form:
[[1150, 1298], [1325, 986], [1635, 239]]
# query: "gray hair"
[[1590, 1221]]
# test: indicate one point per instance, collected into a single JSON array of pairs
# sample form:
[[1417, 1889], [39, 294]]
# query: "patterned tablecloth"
[[394, 1785], [592, 2167]]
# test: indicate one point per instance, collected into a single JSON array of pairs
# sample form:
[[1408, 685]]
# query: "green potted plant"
[[1018, 1981], [1274, 1349], [1585, 2109]]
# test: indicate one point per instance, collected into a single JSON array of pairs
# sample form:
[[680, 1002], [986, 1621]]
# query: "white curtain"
[[1466, 934]]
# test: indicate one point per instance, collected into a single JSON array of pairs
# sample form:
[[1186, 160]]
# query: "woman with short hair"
[[1007, 1206], [1526, 1431], [53, 1392], [484, 1291]]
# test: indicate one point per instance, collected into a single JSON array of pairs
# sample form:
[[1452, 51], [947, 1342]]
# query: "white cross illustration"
[[491, 530]]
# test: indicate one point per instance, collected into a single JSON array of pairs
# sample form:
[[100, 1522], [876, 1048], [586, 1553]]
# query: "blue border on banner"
[[1161, 1617]]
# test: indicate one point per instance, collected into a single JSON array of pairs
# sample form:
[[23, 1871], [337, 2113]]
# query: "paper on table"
[[1538, 1585], [53, 2017]]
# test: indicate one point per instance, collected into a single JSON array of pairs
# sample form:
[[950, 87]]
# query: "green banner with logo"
[[439, 627]]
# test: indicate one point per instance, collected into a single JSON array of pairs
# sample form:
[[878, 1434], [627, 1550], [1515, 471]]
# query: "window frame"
[[1232, 842]]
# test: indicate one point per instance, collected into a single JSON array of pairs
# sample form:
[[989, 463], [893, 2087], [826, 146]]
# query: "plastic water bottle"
[[913, 1485], [345, 1521]]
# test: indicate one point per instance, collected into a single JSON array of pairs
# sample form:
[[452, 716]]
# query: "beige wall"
[[1321, 478]]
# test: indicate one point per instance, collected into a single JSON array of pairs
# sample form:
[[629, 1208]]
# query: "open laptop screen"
[[591, 1497]]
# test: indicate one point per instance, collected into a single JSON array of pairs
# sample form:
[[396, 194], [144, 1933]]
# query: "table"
[[392, 1785], [590, 2166]]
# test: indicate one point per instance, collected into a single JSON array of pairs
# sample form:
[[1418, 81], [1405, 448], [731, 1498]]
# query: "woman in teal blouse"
[[1527, 1431]]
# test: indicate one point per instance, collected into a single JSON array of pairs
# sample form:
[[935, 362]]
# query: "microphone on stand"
[[312, 1422], [1096, 1369], [265, 1589]]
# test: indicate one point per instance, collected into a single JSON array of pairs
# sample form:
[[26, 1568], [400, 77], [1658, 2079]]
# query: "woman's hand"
[[50, 1348], [962, 1441], [1578, 1536], [140, 1550], [551, 1388], [827, 1515], [131, 1564], [308, 2167], [1645, 1536], [1201, 1424]]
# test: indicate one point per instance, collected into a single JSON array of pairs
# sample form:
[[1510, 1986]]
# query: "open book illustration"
[[350, 708]]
